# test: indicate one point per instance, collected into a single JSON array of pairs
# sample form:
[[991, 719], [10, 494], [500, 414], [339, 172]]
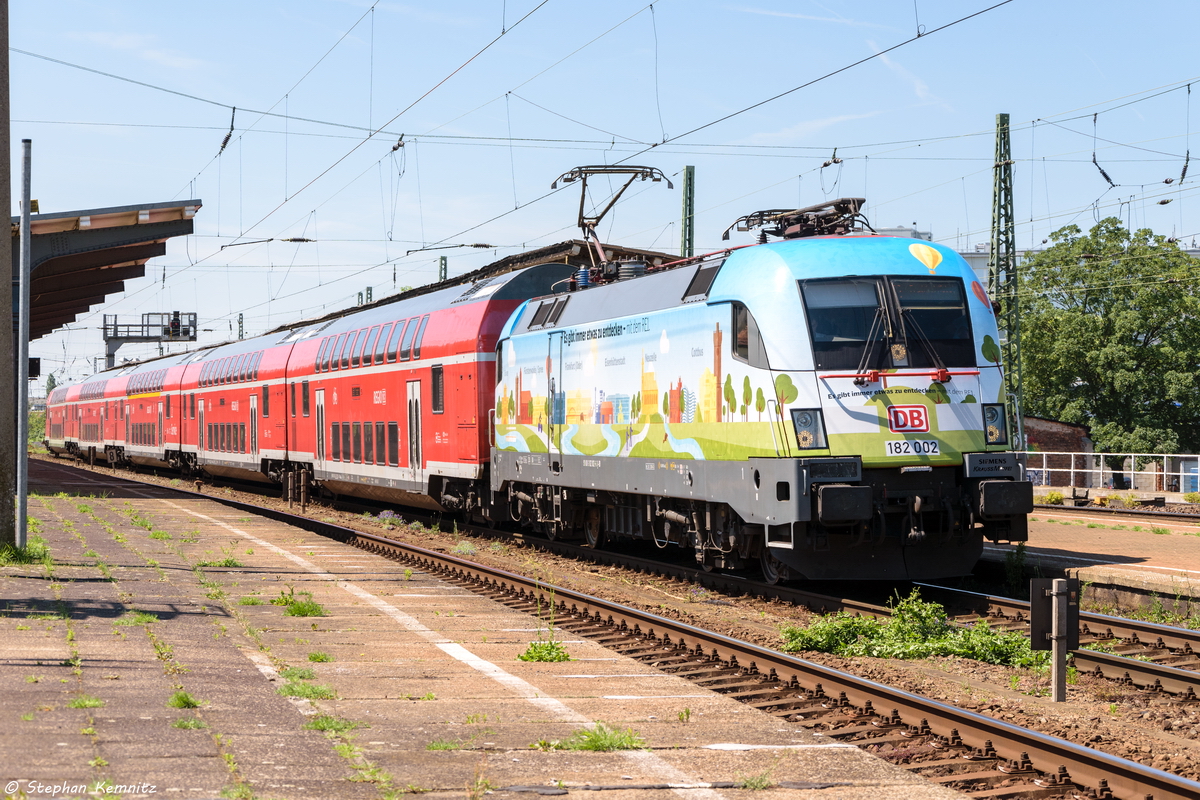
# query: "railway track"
[[1151, 657], [975, 754]]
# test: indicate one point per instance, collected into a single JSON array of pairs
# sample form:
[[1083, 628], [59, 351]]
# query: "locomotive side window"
[[559, 307], [381, 343], [747, 341], [406, 346], [934, 313], [394, 342], [542, 312], [439, 390], [416, 353]]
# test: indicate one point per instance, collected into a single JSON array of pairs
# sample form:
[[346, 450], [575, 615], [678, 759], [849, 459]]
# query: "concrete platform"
[[1120, 564], [428, 670]]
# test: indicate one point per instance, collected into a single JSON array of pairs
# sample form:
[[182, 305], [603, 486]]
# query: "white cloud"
[[837, 20], [806, 128], [140, 46], [919, 87], [664, 344]]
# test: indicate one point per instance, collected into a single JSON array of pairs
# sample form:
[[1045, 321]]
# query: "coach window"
[[335, 440], [406, 345], [357, 442], [168, 409], [304, 397], [257, 359], [325, 348], [368, 435], [244, 370], [266, 401], [226, 368], [380, 437], [346, 441], [348, 350], [320, 362], [192, 406], [439, 390], [293, 399], [368, 346], [420, 335], [381, 343], [336, 353], [394, 342], [393, 443]]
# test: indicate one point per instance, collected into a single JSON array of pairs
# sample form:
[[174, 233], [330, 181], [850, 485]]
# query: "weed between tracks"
[[600, 738], [917, 629]]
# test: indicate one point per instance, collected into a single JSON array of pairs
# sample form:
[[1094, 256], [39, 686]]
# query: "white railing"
[[1139, 472]]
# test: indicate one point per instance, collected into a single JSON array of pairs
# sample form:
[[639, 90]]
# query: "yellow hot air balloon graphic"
[[927, 255]]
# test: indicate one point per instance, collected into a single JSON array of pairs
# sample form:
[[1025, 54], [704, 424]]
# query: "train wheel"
[[592, 530], [552, 529], [774, 571]]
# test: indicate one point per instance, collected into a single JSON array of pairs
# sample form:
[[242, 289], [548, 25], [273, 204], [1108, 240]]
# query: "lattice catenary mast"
[[1002, 274]]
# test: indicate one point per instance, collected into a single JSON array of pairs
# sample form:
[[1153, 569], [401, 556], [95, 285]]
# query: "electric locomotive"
[[828, 406]]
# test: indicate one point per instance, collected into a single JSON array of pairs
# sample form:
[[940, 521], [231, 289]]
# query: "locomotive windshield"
[[879, 323]]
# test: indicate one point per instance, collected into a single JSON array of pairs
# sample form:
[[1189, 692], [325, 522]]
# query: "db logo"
[[908, 419]]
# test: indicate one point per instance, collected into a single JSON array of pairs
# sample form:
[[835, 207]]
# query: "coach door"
[[158, 442], [201, 431], [414, 429], [319, 456], [254, 422]]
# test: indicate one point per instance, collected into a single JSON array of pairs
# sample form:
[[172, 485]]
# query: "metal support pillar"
[[1002, 276], [23, 348], [8, 416], [1058, 655], [443, 268], [687, 235]]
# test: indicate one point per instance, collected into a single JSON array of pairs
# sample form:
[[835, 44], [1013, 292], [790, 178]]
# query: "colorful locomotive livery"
[[828, 407]]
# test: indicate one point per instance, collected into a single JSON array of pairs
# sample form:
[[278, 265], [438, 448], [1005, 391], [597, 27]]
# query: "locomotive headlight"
[[995, 423], [810, 428]]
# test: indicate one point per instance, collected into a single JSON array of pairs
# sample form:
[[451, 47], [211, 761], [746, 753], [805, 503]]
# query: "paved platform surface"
[[147, 597], [1162, 557]]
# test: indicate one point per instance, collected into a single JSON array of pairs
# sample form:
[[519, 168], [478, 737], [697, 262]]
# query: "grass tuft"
[[135, 618], [182, 699], [320, 657], [250, 600], [85, 701], [330, 724], [297, 674], [189, 723], [601, 738], [545, 651], [307, 691], [304, 608]]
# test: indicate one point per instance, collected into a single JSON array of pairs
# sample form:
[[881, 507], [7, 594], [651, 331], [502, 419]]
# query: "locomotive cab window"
[[876, 323]]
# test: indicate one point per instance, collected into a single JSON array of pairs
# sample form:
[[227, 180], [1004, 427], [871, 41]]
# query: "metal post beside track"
[[303, 490]]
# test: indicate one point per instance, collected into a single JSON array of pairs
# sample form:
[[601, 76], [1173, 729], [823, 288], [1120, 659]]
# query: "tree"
[[747, 397], [730, 395], [51, 382], [760, 403], [1110, 338]]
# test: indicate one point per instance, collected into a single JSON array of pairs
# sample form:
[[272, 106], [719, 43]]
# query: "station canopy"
[[78, 258]]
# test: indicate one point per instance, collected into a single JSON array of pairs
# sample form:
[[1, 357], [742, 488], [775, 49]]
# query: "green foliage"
[[990, 350], [319, 656], [304, 608], [1192, 497], [1014, 570], [307, 691], [545, 651], [35, 551], [250, 600], [182, 699], [297, 673], [37, 427], [601, 738], [917, 629], [189, 723], [85, 701], [1054, 498], [464, 549], [324, 722], [135, 618], [1131, 302]]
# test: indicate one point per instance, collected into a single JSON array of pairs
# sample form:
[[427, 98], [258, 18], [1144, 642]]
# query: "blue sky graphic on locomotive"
[[564, 84], [739, 376]]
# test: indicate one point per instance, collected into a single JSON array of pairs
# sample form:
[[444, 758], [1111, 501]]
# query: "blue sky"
[[490, 120]]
